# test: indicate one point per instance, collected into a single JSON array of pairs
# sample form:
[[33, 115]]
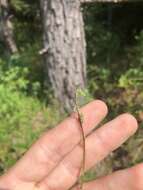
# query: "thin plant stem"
[[82, 168]]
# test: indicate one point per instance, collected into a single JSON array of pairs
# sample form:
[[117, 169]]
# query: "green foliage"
[[24, 7], [15, 76], [133, 78], [137, 51], [15, 79], [115, 74], [19, 5], [22, 121], [16, 115], [83, 96], [102, 43], [99, 77], [22, 115]]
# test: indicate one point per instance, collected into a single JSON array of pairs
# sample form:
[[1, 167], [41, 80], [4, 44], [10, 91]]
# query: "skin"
[[53, 162]]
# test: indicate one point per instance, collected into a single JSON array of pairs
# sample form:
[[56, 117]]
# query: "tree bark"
[[7, 27], [64, 44]]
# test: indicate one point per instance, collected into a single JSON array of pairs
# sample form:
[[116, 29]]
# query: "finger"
[[55, 144], [129, 179], [98, 145]]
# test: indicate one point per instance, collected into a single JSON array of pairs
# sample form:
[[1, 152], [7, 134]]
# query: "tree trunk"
[[64, 44], [7, 27]]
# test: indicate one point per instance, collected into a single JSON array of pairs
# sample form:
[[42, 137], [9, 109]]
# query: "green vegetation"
[[115, 74], [23, 117], [115, 71], [115, 55]]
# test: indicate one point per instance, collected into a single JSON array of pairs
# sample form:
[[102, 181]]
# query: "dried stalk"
[[82, 168]]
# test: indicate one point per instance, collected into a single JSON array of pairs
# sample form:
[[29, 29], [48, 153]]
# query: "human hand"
[[53, 162]]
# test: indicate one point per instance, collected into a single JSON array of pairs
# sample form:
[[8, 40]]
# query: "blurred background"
[[29, 102]]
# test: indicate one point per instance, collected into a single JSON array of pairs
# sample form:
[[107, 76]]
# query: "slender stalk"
[[82, 168]]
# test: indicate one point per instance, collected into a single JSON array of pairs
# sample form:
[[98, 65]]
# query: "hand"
[[53, 162]]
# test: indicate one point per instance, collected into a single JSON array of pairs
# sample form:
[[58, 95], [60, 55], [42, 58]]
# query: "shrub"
[[23, 116]]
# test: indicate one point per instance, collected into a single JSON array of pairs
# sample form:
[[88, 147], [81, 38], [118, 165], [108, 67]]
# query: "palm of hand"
[[53, 162]]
